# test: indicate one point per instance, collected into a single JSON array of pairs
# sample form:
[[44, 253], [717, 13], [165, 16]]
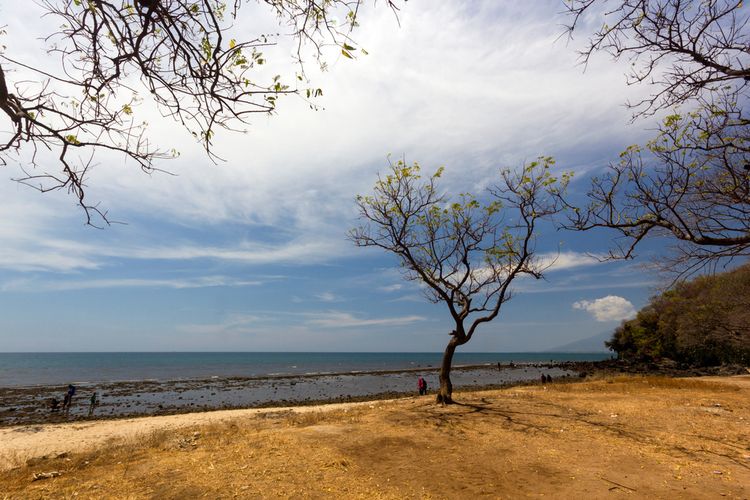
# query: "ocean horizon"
[[24, 369]]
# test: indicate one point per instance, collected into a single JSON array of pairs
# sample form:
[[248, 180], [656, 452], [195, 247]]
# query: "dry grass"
[[643, 436], [626, 383]]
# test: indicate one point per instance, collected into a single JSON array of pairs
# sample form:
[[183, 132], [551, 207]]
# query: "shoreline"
[[282, 376], [30, 405]]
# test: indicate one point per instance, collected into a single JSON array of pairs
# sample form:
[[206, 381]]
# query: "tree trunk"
[[446, 388]]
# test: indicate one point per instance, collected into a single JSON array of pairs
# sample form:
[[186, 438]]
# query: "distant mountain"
[[591, 344]]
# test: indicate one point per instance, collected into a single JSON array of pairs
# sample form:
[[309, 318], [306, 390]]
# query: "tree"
[[186, 56], [702, 322], [692, 182], [465, 252]]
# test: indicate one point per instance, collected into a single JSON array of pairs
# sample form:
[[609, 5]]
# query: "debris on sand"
[[45, 475]]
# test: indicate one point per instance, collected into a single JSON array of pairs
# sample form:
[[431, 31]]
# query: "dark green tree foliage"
[[702, 322]]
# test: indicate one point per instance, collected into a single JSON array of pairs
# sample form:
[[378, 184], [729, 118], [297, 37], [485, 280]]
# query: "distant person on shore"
[[422, 386], [69, 398], [54, 405], [93, 402]]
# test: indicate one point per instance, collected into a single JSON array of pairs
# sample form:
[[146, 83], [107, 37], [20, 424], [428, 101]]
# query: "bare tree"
[[688, 184], [685, 49], [692, 182], [466, 253], [178, 52]]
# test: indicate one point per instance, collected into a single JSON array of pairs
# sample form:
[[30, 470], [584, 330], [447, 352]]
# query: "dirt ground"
[[637, 437]]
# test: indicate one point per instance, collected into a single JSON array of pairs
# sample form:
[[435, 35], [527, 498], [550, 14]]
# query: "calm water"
[[28, 369]]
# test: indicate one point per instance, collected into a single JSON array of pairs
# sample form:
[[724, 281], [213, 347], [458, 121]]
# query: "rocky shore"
[[31, 405]]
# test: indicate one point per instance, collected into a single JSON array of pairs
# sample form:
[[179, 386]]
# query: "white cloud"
[[52, 286], [567, 260], [327, 297], [29, 245], [338, 319], [546, 261], [236, 323], [391, 288], [609, 308], [295, 251], [471, 98], [252, 323]]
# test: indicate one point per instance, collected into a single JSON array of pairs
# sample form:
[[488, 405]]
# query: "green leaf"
[[72, 139]]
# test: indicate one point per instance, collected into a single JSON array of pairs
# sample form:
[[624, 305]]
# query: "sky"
[[250, 253]]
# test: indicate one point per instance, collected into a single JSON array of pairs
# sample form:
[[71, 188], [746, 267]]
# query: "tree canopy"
[[691, 183], [702, 322], [464, 251], [187, 56]]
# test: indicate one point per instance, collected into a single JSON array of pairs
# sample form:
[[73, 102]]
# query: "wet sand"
[[30, 405]]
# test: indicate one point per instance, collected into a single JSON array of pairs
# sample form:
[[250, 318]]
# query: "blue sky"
[[251, 253]]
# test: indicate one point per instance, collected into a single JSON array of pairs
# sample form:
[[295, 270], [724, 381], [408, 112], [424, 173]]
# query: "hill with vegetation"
[[703, 322]]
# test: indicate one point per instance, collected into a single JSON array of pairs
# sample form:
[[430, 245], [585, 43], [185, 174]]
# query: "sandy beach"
[[644, 437], [28, 442]]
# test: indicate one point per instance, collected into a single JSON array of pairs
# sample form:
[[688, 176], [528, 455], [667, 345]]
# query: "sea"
[[38, 369]]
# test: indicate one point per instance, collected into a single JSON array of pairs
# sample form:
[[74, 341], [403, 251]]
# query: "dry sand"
[[641, 437], [23, 442]]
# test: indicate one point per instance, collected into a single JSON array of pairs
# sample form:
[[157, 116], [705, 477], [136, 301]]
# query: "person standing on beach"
[[421, 386], [68, 398], [92, 404]]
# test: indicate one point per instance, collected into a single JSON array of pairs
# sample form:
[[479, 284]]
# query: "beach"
[[638, 436]]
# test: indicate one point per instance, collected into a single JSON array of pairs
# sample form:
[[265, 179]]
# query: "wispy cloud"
[[338, 319], [513, 116], [391, 288], [568, 260], [305, 321], [546, 287], [294, 251], [236, 323], [38, 251], [26, 285], [281, 200], [327, 297]]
